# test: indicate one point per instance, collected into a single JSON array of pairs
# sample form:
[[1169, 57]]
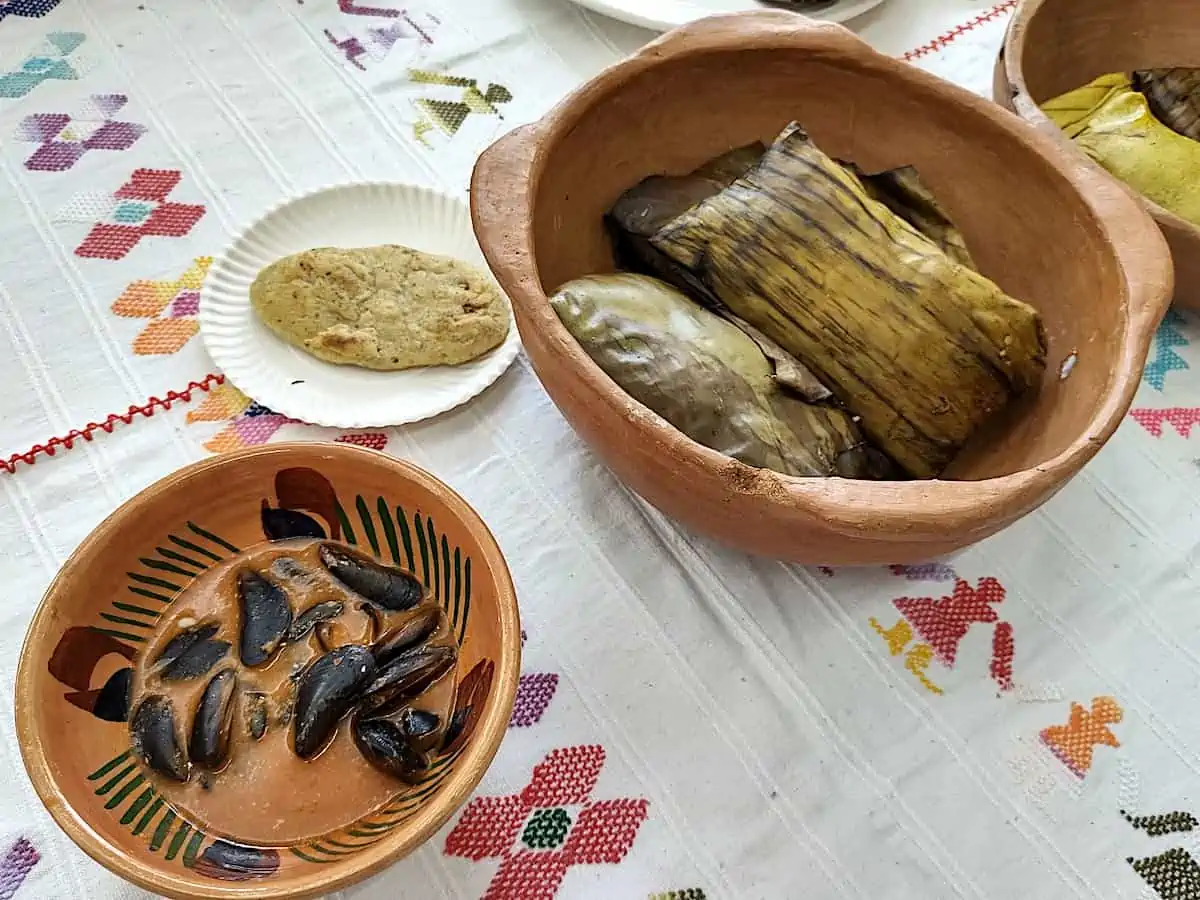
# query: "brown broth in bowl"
[[263, 792]]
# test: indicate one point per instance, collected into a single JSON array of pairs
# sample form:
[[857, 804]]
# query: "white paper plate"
[[663, 15], [295, 384]]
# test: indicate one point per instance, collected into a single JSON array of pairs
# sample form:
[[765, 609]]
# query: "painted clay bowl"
[[1053, 46], [1047, 227], [98, 614]]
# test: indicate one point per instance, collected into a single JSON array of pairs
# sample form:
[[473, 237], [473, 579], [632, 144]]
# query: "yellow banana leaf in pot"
[[920, 348], [1112, 123], [708, 378]]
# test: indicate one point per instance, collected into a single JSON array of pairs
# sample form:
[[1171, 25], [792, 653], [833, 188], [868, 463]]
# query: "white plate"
[[291, 382], [663, 15]]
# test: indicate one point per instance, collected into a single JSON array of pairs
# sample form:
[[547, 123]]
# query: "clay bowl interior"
[[153, 545], [539, 194], [1053, 46]]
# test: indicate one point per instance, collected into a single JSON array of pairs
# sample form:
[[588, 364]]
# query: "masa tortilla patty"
[[388, 307]]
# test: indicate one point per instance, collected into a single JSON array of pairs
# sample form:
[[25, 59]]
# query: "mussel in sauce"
[[191, 653], [325, 692], [407, 675], [320, 612], [388, 587], [416, 630], [266, 618], [213, 722], [385, 746], [155, 737]]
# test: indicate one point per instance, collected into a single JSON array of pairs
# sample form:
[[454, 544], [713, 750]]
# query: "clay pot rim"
[[433, 812], [1012, 61], [903, 510]]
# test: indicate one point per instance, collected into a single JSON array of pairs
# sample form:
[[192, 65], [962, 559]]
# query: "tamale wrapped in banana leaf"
[[1174, 98], [921, 349], [649, 205], [902, 191], [1112, 123], [708, 379]]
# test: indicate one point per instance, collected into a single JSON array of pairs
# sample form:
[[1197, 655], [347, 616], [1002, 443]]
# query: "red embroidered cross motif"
[[943, 623], [548, 827], [138, 209]]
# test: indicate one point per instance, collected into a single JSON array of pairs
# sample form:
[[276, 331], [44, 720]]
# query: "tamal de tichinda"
[[918, 347]]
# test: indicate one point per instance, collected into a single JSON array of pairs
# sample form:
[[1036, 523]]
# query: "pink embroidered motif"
[[1181, 418], [63, 139], [370, 440]]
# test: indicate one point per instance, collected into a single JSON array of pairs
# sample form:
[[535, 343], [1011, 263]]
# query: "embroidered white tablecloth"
[[1010, 723]]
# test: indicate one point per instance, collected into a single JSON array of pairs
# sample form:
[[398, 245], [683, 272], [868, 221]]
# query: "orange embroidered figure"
[[1074, 742], [171, 305]]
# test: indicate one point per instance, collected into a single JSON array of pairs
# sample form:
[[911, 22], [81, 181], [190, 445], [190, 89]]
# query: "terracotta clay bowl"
[[1047, 227], [1053, 46], [100, 609]]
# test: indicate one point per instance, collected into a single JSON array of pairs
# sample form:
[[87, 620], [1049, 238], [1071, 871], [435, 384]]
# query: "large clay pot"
[[1040, 221]]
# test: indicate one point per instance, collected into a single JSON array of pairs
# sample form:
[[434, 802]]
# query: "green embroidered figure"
[[448, 116]]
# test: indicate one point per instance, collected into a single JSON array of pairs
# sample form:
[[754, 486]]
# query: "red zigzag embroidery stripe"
[[147, 409], [950, 36], [1181, 418]]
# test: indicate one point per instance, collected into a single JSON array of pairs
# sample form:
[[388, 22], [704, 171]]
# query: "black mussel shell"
[[256, 714], [266, 618], [191, 653], [155, 739], [420, 726], [233, 862], [386, 586], [213, 722], [112, 703], [386, 747], [320, 612], [416, 630], [418, 723], [283, 524], [408, 675], [326, 691]]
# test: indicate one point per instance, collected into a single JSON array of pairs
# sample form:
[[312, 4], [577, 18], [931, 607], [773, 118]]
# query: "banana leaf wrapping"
[[708, 378], [1174, 98], [902, 191], [641, 211], [920, 349], [1112, 123]]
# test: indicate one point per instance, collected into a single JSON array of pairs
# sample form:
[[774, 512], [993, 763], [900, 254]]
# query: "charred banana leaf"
[[903, 192], [922, 350], [707, 378], [1174, 96], [648, 206]]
